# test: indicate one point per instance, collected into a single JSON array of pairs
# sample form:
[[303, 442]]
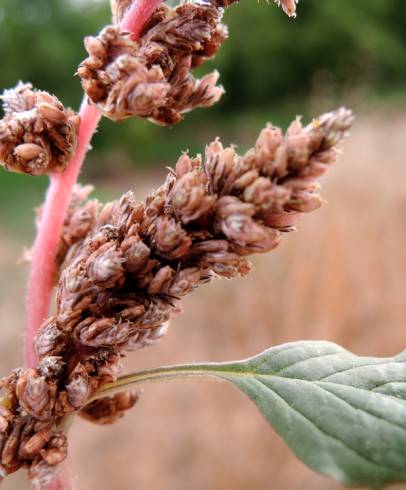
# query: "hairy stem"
[[63, 481], [210, 371], [138, 14], [41, 280]]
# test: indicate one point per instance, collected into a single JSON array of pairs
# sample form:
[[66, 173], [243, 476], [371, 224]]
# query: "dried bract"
[[108, 410], [36, 394], [288, 6], [119, 9], [37, 134], [151, 77], [79, 220]]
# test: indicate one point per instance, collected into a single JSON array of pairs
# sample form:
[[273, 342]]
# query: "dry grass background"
[[341, 277]]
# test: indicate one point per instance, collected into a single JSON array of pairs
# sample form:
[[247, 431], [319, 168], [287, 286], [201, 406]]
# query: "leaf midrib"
[[313, 382]]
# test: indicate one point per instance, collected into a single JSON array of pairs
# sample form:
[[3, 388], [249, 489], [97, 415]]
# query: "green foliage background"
[[273, 67]]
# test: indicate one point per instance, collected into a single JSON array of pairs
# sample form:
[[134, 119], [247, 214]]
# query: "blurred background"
[[341, 277]]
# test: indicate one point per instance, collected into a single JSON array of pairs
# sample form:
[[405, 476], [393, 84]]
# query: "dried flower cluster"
[[126, 266], [151, 77], [37, 134]]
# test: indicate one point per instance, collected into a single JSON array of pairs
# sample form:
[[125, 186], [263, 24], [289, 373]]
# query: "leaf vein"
[[388, 383], [328, 435], [395, 424], [275, 373], [324, 378]]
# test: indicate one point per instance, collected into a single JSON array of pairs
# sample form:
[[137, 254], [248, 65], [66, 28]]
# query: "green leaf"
[[342, 415]]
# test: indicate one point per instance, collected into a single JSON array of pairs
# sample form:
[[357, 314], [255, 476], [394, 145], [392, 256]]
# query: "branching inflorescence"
[[122, 268]]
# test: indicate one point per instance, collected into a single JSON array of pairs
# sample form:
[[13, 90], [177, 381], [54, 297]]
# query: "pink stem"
[[41, 280], [58, 484], [42, 274], [63, 481], [137, 16]]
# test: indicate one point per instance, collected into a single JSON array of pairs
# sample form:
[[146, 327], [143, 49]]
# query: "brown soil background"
[[341, 277]]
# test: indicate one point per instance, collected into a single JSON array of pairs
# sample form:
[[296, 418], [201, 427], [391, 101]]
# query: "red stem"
[[63, 481], [137, 15], [41, 280], [42, 274]]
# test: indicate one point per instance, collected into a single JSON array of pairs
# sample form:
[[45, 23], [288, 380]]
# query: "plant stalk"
[[42, 275], [216, 371]]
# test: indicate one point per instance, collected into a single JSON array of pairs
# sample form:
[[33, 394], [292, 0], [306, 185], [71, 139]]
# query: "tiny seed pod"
[[56, 450], [104, 332], [105, 266], [183, 165], [171, 239], [50, 340], [51, 366], [28, 151], [35, 444], [10, 448], [35, 394], [79, 391], [94, 47], [51, 113], [42, 96]]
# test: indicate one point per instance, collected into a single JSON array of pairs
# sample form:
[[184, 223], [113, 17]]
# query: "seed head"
[[151, 77], [37, 134], [124, 278]]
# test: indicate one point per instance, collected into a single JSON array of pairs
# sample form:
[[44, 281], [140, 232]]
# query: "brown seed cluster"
[[124, 278], [29, 436], [37, 134], [151, 77]]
